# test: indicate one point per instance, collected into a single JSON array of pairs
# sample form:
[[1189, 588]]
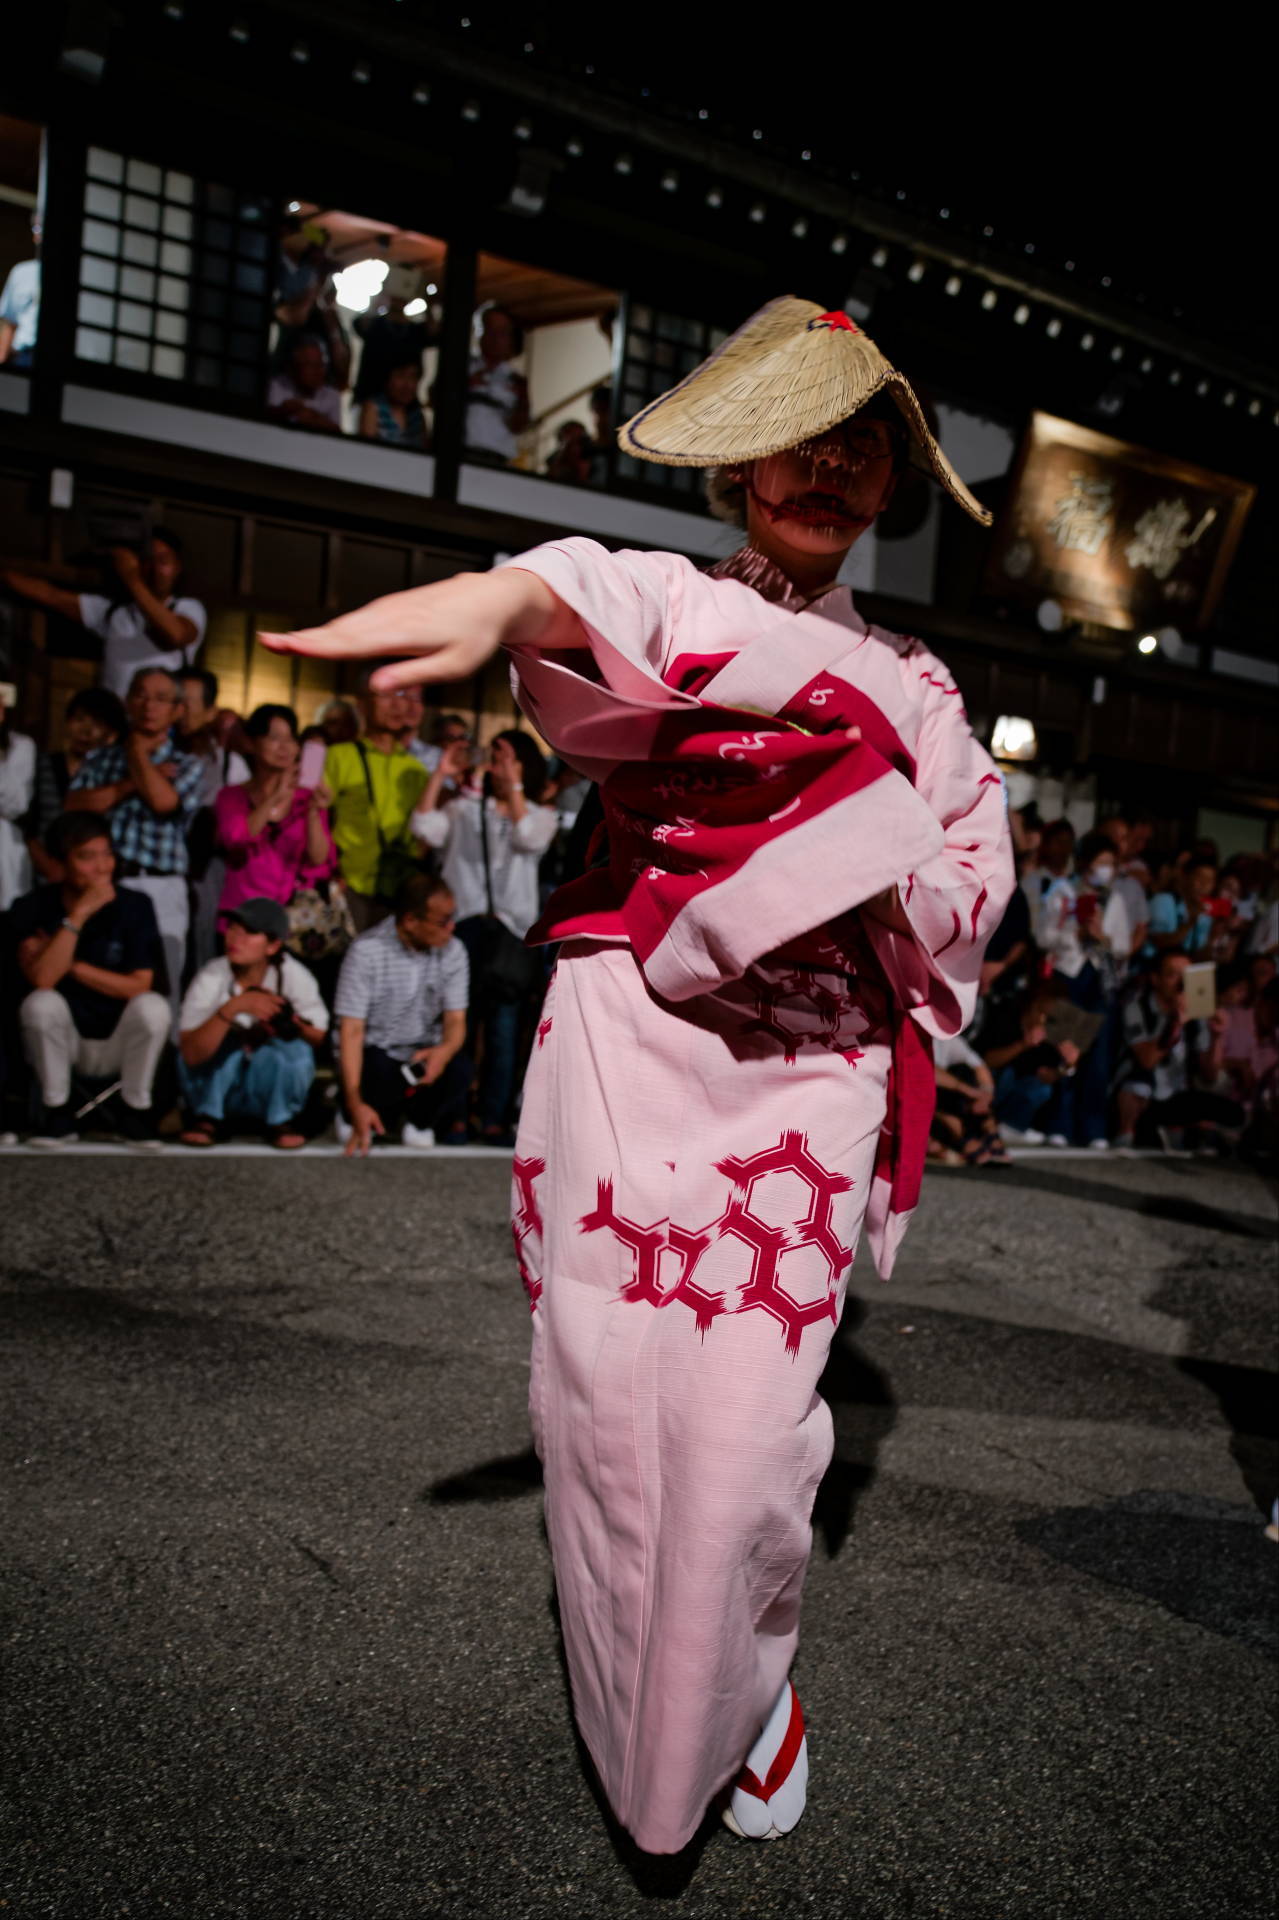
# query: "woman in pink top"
[[274, 833], [806, 854]]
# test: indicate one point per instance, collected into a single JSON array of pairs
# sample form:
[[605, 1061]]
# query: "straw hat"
[[790, 373]]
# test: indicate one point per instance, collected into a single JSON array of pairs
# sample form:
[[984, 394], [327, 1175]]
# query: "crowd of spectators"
[[1128, 999], [224, 923]]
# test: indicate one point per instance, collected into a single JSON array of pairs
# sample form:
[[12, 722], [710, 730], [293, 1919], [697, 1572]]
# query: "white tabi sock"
[[769, 1795]]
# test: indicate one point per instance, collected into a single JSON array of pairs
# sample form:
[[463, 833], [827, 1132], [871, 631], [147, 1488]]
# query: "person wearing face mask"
[[806, 852], [1072, 933]]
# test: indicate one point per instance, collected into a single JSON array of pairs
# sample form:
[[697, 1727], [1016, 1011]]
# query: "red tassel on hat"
[[833, 320]]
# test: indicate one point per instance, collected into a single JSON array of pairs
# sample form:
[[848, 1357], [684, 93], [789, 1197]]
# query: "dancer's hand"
[[453, 627]]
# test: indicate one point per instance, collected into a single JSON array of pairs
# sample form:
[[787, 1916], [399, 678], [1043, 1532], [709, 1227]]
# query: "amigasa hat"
[[790, 373]]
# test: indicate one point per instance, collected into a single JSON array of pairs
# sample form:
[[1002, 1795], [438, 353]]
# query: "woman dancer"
[[806, 853]]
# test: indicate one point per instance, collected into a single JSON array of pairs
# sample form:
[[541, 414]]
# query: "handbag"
[[506, 971], [320, 922], [395, 863]]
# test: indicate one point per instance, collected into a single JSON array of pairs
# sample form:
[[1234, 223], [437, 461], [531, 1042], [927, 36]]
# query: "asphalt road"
[[279, 1634]]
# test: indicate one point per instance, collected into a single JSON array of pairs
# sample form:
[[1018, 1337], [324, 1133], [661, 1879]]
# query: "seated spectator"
[[375, 786], [149, 790], [303, 395], [17, 792], [1170, 1064], [570, 463], [401, 1012], [1071, 932], [394, 416], [143, 624], [1179, 917], [1027, 1065], [273, 834], [90, 954], [965, 1115], [251, 1021], [492, 842], [497, 410], [93, 717]]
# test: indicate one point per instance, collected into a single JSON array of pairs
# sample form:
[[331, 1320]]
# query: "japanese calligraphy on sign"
[[1117, 534]]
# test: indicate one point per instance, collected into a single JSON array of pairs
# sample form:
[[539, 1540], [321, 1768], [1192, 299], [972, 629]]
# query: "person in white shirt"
[[145, 625], [497, 407], [492, 841], [250, 1023], [17, 790], [304, 396]]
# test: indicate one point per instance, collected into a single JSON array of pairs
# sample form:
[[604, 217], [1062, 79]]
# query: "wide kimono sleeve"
[[585, 701], [931, 937]]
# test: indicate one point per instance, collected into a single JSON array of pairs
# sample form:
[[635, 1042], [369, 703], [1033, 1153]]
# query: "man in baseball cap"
[[251, 1021]]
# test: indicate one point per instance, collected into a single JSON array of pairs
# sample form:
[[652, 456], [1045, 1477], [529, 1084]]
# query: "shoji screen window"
[[659, 351], [174, 276]]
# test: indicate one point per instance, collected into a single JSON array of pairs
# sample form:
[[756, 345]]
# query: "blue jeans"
[[269, 1085], [1082, 1099], [1019, 1096]]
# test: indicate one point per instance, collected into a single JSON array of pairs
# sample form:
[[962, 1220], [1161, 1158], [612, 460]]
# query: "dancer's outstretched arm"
[[452, 627]]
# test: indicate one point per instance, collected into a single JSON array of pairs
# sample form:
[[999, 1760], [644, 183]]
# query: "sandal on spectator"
[[288, 1139], [201, 1133]]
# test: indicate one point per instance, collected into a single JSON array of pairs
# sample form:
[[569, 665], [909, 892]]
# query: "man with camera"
[[250, 1023], [401, 1011], [376, 785]]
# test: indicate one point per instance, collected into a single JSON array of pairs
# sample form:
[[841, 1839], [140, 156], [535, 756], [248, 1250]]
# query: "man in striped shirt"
[[401, 1010]]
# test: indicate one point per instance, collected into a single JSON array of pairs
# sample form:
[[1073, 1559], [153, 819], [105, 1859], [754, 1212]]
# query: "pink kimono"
[[732, 1071]]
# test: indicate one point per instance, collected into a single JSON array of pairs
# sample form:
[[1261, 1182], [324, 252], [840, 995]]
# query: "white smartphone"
[[1199, 984]]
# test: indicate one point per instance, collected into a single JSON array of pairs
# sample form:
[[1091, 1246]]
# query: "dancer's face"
[[815, 500]]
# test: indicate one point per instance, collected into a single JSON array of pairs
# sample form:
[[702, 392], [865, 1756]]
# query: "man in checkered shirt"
[[401, 1011], [149, 790]]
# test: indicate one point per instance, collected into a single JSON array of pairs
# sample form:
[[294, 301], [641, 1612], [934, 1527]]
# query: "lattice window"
[[661, 349], [175, 276]]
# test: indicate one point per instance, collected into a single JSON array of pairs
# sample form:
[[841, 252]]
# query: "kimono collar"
[[756, 570]]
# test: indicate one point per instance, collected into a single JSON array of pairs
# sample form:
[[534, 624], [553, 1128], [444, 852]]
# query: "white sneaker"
[[1100, 1144], [51, 1142], [421, 1139], [1022, 1136], [1058, 1140], [8, 1139], [342, 1127]]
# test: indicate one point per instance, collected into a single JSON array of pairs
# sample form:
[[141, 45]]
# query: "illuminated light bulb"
[[1053, 328], [295, 206], [421, 96], [301, 53], [670, 182], [757, 211], [1022, 314], [1201, 388], [839, 243], [414, 308], [714, 197], [361, 73], [623, 163], [522, 130], [954, 284], [1174, 377], [1254, 408], [432, 288], [1087, 342], [471, 110], [1116, 353], [916, 271], [880, 257], [800, 228], [990, 300], [574, 149], [1147, 644], [1228, 399]]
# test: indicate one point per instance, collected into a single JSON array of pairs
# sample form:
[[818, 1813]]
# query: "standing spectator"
[[1050, 861], [251, 1021], [17, 792], [90, 955], [1169, 1064], [1127, 917], [497, 410], [303, 395], [1071, 932], [306, 299], [412, 712], [492, 842], [390, 340], [149, 790], [375, 786], [273, 833], [394, 414], [1180, 919], [92, 718], [401, 1012], [20, 307], [206, 731], [145, 624]]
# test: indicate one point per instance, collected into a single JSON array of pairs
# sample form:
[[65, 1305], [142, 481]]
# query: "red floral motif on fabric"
[[667, 1256], [526, 1224]]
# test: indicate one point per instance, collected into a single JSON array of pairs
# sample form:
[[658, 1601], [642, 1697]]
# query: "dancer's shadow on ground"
[[860, 1397]]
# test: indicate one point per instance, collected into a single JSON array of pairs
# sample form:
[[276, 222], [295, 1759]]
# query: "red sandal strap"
[[786, 1756]]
